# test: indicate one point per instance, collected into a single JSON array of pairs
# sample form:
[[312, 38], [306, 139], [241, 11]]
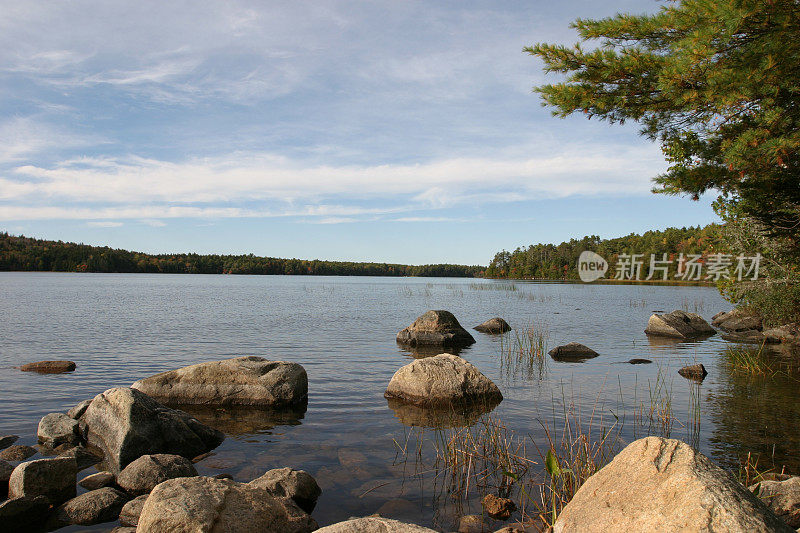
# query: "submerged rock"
[[374, 524], [142, 475], [126, 424], [49, 367], [438, 328], [298, 485], [498, 508], [448, 416], [253, 381], [639, 361], [493, 326], [52, 478], [783, 497], [679, 324], [17, 452], [442, 380], [696, 372], [200, 504], [7, 440], [573, 351], [658, 484]]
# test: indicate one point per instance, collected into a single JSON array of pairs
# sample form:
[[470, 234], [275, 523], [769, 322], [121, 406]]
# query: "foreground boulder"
[[435, 328], [783, 497], [23, 514], [658, 484], [298, 485], [493, 326], [52, 478], [126, 424], [56, 429], [442, 380], [48, 367], [203, 504], [253, 381], [374, 524], [142, 475], [679, 324], [572, 351], [94, 507]]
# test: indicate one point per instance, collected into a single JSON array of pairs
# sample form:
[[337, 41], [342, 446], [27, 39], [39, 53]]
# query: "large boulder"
[[126, 424], [658, 484], [679, 324], [93, 507], [374, 524], [48, 367], [57, 428], [203, 504], [52, 478], [737, 320], [435, 328], [142, 475], [493, 326], [444, 379], [783, 497], [253, 381], [298, 485], [572, 352]]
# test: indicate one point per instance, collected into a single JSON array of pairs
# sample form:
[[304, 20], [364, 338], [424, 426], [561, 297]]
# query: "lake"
[[119, 328]]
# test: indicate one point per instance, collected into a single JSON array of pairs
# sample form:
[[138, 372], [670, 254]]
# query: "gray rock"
[[57, 428], [5, 475], [374, 524], [143, 474], [129, 515], [17, 452], [7, 440], [751, 336], [783, 497], [83, 457], [657, 484], [94, 507], [298, 485], [252, 381], [737, 320], [49, 367], [696, 372], [437, 328], [572, 351], [77, 411], [97, 480], [444, 379], [126, 424], [21, 515], [52, 478], [493, 326], [198, 504], [679, 324]]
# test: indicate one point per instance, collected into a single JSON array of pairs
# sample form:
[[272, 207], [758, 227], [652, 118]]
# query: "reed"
[[525, 351], [750, 361]]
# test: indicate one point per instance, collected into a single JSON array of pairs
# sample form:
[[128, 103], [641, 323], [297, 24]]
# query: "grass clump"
[[749, 361], [525, 351]]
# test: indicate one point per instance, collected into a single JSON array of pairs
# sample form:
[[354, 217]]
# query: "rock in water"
[[658, 484], [374, 524], [94, 507], [17, 452], [696, 372], [7, 440], [441, 380], [298, 485], [57, 428], [572, 351], [737, 320], [142, 475], [126, 424], [200, 504], [679, 324], [498, 508], [493, 326], [435, 328], [52, 478], [783, 497], [240, 381], [97, 480], [49, 367]]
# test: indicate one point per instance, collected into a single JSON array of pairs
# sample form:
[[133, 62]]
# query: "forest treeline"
[[559, 261], [19, 253]]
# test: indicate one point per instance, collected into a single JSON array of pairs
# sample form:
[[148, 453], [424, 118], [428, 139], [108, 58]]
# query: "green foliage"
[[550, 261], [716, 82], [26, 254]]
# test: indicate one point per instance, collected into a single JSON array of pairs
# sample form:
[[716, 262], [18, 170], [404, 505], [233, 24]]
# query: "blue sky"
[[394, 131]]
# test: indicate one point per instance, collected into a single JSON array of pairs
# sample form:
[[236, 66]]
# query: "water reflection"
[[447, 417], [245, 420], [420, 352]]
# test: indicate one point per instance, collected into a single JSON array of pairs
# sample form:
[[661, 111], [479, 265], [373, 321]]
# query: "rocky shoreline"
[[145, 447]]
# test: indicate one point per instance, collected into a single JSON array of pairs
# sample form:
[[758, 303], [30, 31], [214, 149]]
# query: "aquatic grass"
[[750, 361], [750, 471], [525, 350], [657, 415], [506, 287]]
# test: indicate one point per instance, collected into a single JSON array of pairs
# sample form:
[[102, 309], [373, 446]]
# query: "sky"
[[394, 131]]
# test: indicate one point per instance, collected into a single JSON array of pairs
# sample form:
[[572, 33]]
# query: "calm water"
[[119, 328]]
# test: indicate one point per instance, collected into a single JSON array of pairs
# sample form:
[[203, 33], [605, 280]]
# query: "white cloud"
[[104, 224]]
